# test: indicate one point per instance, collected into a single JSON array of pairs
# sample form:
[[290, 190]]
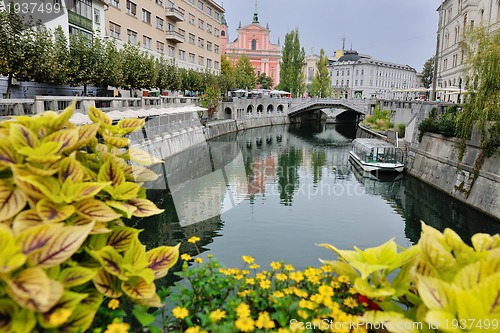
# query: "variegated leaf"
[[32, 289], [7, 155], [141, 174], [41, 171], [138, 289], [24, 321], [62, 243], [25, 220], [72, 169], [485, 242], [110, 260], [126, 209], [121, 237], [86, 134], [67, 139], [111, 172], [145, 207], [154, 301], [69, 302], [130, 125], [107, 284], [75, 276], [435, 293], [96, 210], [44, 153], [62, 118], [50, 212], [100, 228], [12, 201], [124, 191], [135, 256], [141, 157], [162, 258], [97, 116], [11, 257], [116, 141], [49, 186], [79, 321], [80, 191], [32, 192], [21, 136]]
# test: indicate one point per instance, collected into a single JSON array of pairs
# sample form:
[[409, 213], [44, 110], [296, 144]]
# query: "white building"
[[360, 76], [455, 17]]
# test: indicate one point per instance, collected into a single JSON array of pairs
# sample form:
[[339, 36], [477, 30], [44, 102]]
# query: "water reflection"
[[274, 192]]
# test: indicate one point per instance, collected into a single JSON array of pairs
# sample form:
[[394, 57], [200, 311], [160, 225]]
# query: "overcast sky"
[[400, 31]]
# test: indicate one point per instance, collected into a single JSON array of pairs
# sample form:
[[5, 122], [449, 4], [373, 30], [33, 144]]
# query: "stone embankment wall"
[[435, 161]]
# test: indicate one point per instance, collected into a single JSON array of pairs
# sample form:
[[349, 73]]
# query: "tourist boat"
[[374, 155]]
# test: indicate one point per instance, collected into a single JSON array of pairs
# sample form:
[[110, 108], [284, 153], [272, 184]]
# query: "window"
[[216, 50], [115, 3], [83, 8], [191, 39], [217, 16], [209, 46], [209, 63], [217, 32], [114, 30], [159, 2], [201, 60], [146, 16], [182, 55], [171, 27], [79, 32], [191, 1], [342, 72], [209, 28], [201, 42], [201, 24], [191, 19], [216, 65], [357, 72], [361, 82], [337, 73], [200, 5], [171, 51], [182, 32], [355, 82], [146, 42], [97, 16], [159, 23], [131, 8], [348, 72], [209, 10], [347, 83], [160, 47], [254, 45], [192, 58], [132, 36]]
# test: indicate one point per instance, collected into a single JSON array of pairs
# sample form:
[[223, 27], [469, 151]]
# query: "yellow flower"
[[194, 239], [327, 268], [254, 266], [281, 277], [195, 329], [302, 314], [278, 294], [185, 257], [217, 315], [59, 316], [117, 327], [275, 265], [250, 281], [114, 304], [180, 313], [307, 304], [198, 260], [248, 259], [264, 321], [282, 330], [265, 284], [350, 302], [297, 276], [261, 276], [244, 293], [289, 268], [238, 276], [335, 284], [325, 291], [318, 298], [243, 310], [245, 324], [343, 279], [300, 292], [352, 291]]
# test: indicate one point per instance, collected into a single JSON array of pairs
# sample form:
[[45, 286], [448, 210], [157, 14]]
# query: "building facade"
[[310, 68], [360, 76], [187, 31], [254, 41], [456, 17]]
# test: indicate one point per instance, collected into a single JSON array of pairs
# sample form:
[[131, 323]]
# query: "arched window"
[[254, 45], [222, 33]]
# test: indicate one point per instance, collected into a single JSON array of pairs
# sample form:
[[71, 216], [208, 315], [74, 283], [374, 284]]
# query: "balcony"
[[175, 36], [174, 14], [79, 20]]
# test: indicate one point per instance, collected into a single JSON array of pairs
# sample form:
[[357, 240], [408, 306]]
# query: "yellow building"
[[185, 30]]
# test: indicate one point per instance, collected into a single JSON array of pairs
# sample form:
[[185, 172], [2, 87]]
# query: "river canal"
[[275, 192]]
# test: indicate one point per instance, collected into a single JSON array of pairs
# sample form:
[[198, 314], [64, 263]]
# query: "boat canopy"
[[375, 150]]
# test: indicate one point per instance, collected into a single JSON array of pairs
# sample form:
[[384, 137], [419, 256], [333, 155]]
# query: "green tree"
[[139, 68], [266, 82], [244, 73], [82, 61], [110, 65], [482, 102], [321, 85], [210, 99], [18, 51], [226, 76], [292, 59], [428, 72]]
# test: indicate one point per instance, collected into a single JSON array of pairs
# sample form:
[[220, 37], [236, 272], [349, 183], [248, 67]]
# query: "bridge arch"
[[260, 108], [228, 113], [280, 108], [270, 108], [250, 109]]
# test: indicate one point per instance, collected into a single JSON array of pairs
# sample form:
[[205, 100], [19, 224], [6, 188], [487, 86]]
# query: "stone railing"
[[38, 104]]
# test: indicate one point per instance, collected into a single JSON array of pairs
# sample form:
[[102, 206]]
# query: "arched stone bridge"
[[335, 107]]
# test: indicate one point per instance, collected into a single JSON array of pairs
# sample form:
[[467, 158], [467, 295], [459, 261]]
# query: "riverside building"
[[456, 17]]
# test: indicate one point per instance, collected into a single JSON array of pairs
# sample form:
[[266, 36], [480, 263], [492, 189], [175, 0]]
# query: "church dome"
[[350, 56]]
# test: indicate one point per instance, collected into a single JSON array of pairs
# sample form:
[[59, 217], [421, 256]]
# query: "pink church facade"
[[254, 41]]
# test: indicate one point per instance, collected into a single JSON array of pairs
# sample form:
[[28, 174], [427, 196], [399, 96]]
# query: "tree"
[[210, 99], [482, 102], [139, 68], [18, 41], [110, 64], [244, 73], [321, 84], [82, 61], [226, 76], [428, 72], [266, 82], [292, 59]]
